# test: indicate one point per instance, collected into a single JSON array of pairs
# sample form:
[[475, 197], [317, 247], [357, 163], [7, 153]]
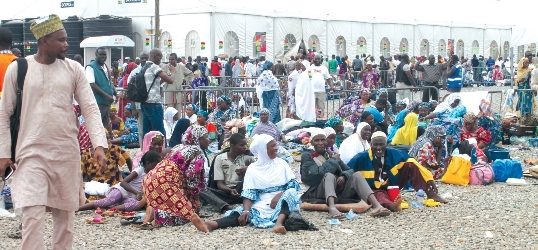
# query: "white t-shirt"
[[90, 74], [154, 94], [136, 183], [319, 76]]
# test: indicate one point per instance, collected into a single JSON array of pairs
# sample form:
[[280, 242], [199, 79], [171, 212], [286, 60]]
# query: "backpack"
[[136, 88], [15, 118]]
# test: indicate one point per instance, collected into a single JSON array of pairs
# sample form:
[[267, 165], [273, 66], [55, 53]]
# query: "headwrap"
[[378, 117], [365, 90], [379, 134], [146, 143], [46, 25], [129, 106], [267, 66], [169, 114], [224, 98], [424, 105], [414, 105], [485, 109], [329, 131], [315, 132], [354, 144], [446, 105], [266, 172], [522, 72], [470, 117], [380, 92], [428, 136], [113, 109], [407, 135], [193, 134], [203, 113], [333, 121], [401, 103], [265, 111]]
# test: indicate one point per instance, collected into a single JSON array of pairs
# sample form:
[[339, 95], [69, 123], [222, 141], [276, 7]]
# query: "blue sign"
[[67, 4]]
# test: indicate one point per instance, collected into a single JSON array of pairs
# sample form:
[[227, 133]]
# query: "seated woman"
[[407, 135], [472, 130], [171, 116], [127, 195], [430, 150], [129, 137], [337, 124], [172, 188], [490, 122], [332, 181], [270, 191], [383, 167], [265, 126], [153, 141], [383, 93], [381, 124], [181, 126], [191, 113], [117, 124], [356, 143], [424, 110], [398, 123], [226, 175], [110, 174], [449, 115], [223, 113], [353, 107]]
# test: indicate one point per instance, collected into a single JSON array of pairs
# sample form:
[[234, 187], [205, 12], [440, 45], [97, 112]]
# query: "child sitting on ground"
[[128, 195]]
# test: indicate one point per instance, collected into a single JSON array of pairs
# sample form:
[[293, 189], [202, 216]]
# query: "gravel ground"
[[497, 216]]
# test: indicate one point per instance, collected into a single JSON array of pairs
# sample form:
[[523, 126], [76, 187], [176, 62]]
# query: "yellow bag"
[[458, 170]]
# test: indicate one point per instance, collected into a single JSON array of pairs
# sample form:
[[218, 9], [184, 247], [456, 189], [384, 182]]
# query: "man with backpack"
[[99, 78], [145, 88]]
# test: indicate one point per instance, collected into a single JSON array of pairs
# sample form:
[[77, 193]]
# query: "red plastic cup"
[[393, 192]]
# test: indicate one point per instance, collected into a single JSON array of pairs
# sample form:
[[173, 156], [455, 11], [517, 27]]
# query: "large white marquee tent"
[[211, 27]]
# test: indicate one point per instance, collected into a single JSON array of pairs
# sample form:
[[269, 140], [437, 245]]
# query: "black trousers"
[[427, 92]]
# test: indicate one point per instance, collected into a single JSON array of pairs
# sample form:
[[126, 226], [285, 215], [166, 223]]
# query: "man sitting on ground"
[[332, 181]]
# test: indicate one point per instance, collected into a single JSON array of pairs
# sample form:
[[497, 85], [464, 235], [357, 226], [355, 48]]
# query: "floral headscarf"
[[470, 118], [224, 98], [193, 134], [203, 113], [380, 92], [424, 105], [428, 136], [333, 121]]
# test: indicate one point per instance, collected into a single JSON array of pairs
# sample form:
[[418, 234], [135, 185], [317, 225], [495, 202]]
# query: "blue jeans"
[[153, 114]]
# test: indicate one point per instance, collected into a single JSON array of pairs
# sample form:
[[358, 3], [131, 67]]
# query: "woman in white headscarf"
[[356, 143], [171, 116], [269, 190]]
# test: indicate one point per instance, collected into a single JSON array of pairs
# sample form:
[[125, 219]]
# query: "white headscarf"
[[354, 144], [266, 172], [169, 122], [444, 106], [329, 131]]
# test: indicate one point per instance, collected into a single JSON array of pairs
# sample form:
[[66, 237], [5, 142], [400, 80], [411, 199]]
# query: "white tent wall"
[[283, 27], [361, 30], [176, 26], [468, 35], [425, 32], [255, 24], [491, 35], [225, 23], [440, 32], [336, 29], [311, 27], [394, 33]]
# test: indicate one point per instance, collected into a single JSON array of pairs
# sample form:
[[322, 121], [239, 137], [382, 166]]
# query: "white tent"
[[391, 27]]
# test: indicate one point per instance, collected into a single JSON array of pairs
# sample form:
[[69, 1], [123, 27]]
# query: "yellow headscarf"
[[521, 71], [407, 135]]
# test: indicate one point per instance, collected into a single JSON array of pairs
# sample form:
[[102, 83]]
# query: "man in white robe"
[[47, 158]]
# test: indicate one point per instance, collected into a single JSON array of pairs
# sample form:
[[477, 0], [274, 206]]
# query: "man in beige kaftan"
[[47, 155]]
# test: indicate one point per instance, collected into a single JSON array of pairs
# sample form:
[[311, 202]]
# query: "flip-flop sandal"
[[146, 226], [128, 221], [381, 213], [341, 216], [16, 233]]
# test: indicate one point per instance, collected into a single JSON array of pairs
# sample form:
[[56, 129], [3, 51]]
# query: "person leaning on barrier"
[[432, 74], [181, 75]]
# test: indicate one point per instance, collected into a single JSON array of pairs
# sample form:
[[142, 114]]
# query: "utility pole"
[[157, 32]]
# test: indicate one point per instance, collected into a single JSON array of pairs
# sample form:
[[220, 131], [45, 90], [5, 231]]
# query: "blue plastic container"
[[498, 154], [533, 142]]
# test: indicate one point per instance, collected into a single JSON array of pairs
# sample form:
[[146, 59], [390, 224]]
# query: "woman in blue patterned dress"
[[270, 191], [268, 92], [449, 114], [130, 134]]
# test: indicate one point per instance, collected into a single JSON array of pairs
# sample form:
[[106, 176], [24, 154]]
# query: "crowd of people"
[[224, 154]]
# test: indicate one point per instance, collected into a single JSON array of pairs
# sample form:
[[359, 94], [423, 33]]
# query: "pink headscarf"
[[146, 143]]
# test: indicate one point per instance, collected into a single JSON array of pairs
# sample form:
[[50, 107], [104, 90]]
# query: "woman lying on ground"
[[127, 195]]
